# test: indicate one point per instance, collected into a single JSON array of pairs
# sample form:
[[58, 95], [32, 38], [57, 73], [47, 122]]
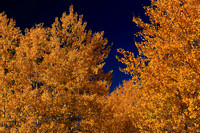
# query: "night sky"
[[114, 17]]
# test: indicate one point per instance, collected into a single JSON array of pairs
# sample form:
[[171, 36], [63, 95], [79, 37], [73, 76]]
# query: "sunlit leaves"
[[170, 81], [50, 76]]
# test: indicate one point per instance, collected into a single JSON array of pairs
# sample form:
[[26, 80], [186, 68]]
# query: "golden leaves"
[[167, 67], [46, 97], [53, 72]]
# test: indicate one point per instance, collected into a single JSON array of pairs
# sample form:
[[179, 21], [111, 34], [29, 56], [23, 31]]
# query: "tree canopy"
[[52, 78], [167, 69]]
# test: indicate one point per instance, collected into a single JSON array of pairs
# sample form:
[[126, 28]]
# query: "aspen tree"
[[9, 41], [74, 69], [58, 74], [118, 109], [167, 68]]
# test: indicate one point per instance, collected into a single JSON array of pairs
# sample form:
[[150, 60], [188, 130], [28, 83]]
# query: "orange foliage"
[[55, 74], [52, 78], [167, 68], [121, 102], [9, 41]]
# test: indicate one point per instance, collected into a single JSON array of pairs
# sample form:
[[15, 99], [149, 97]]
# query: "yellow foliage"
[[51, 78], [167, 68], [48, 73]]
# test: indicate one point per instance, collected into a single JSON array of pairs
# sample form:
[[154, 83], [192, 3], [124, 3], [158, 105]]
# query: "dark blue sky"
[[114, 17]]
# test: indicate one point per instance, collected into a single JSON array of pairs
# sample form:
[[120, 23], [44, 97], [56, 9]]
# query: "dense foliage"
[[166, 74], [51, 79]]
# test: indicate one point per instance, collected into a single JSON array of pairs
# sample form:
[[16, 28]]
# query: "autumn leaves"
[[51, 78], [55, 73], [169, 85]]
